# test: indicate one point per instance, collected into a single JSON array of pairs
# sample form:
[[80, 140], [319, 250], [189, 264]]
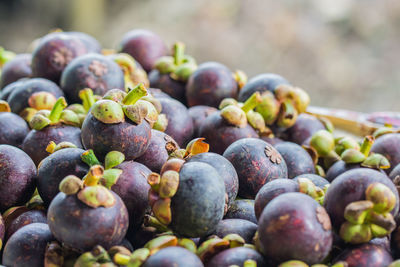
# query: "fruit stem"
[[252, 102], [94, 175], [179, 53], [135, 94], [367, 144], [153, 222], [4, 107], [57, 109], [90, 158], [87, 97]]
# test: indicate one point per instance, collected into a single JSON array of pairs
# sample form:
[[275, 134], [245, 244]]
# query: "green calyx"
[[90, 158], [4, 107], [228, 101], [234, 115], [5, 56], [257, 121], [134, 95], [87, 97], [376, 161], [98, 256], [132, 74], [165, 65], [323, 142], [240, 78], [113, 159], [344, 143], [306, 186], [141, 110], [108, 111], [211, 247], [53, 147], [352, 155], [293, 263], [234, 240], [42, 100], [161, 242], [367, 144], [71, 185], [268, 108], [115, 95], [287, 115], [384, 130], [161, 123]]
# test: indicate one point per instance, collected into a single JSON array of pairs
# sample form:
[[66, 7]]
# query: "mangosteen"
[[242, 209], [210, 84], [199, 114], [304, 127], [157, 93], [388, 146], [395, 172], [94, 71], [27, 217], [144, 46], [6, 91], [27, 246], [157, 153], [54, 52], [256, 163], [15, 69], [243, 228], [85, 214], [317, 180], [236, 257], [338, 168], [92, 45], [173, 257], [300, 226], [365, 255], [17, 177], [13, 128], [298, 161], [273, 140]]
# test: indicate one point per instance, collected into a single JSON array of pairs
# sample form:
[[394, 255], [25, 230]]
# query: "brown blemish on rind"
[[97, 68], [273, 155], [323, 218]]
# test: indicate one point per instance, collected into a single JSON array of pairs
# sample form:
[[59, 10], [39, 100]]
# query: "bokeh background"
[[345, 53]]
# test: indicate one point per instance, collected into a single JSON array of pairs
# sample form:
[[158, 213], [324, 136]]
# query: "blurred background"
[[345, 53]]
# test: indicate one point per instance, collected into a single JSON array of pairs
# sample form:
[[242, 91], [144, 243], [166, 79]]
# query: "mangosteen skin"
[[297, 159], [13, 129], [389, 146], [242, 209], [210, 84], [15, 69], [305, 126], [365, 255], [17, 177], [144, 46], [225, 170], [244, 228], [93, 71], [338, 168], [55, 168], [173, 257], [350, 186], [199, 114], [180, 124], [198, 204], [35, 142], [133, 189], [157, 93], [253, 166], [271, 190], [80, 227], [261, 83], [220, 135], [272, 140], [53, 53], [236, 256], [176, 89], [130, 139], [28, 217], [157, 153], [27, 246], [299, 225], [395, 172], [317, 180], [18, 98], [7, 90], [91, 43]]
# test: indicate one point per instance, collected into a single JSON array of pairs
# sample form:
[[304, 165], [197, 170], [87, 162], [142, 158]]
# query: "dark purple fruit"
[[224, 169], [395, 172], [176, 89], [236, 256], [220, 134], [55, 168], [365, 255], [19, 97], [338, 168], [242, 209], [261, 83], [133, 189], [244, 228], [35, 142], [180, 124], [389, 146], [299, 225], [144, 46], [305, 126], [7, 90], [317, 180], [272, 140], [199, 114], [256, 163], [271, 190], [13, 129], [173, 257], [93, 71], [17, 177], [297, 159], [157, 153], [92, 45], [209, 84], [28, 217], [27, 246], [157, 93], [15, 69], [54, 52]]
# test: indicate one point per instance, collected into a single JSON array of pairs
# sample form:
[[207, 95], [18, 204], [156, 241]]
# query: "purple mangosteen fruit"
[[199, 114], [15, 69], [242, 209], [13, 129]]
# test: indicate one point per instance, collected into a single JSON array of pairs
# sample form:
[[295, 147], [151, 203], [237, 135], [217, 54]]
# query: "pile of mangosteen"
[[140, 156]]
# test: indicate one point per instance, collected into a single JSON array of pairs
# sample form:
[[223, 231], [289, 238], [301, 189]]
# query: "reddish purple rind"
[[253, 166], [317, 180], [365, 255], [156, 154], [13, 129], [349, 187], [15, 69], [242, 209], [130, 139], [199, 114], [272, 140], [92, 45], [219, 134], [338, 168], [395, 172], [389, 146], [8, 89], [93, 71], [243, 228], [35, 142], [17, 177], [80, 227], [27, 246], [271, 190], [55, 168], [305, 126], [173, 88], [28, 217], [133, 189], [236, 256], [210, 84], [299, 225], [173, 256], [144, 46]]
